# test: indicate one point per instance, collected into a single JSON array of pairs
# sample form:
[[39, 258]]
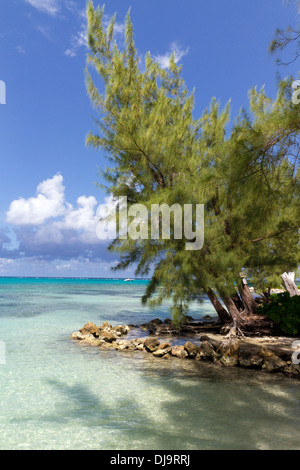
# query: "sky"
[[50, 202]]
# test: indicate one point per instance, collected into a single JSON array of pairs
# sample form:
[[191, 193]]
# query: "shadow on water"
[[222, 408], [197, 407]]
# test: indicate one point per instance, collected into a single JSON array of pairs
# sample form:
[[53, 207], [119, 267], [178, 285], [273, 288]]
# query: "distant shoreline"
[[74, 277]]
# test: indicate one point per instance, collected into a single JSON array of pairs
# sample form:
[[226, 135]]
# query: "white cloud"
[[164, 60], [51, 7], [119, 28], [78, 40], [20, 49], [48, 225], [70, 53], [49, 202], [83, 218]]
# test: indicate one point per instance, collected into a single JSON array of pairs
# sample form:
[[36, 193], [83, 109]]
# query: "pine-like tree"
[[247, 177]]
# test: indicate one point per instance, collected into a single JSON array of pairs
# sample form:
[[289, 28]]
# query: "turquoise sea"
[[56, 394]]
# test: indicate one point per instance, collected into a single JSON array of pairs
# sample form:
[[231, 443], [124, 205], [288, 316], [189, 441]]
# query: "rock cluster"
[[100, 335], [225, 352]]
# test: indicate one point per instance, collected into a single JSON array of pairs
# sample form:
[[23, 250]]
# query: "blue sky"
[[49, 200]]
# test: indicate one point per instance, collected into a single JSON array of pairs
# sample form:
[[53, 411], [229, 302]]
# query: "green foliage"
[[288, 38], [247, 176], [283, 310]]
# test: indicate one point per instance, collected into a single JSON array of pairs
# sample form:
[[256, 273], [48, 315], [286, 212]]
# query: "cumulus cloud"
[[164, 60], [49, 227], [49, 202]]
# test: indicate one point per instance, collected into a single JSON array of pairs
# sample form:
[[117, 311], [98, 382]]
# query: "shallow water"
[[56, 394]]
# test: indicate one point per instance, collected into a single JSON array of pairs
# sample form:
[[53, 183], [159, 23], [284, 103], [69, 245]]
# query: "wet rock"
[[229, 352], [179, 352], [292, 370], [206, 352], [139, 343], [125, 345], [191, 349], [78, 336], [249, 356], [163, 329], [204, 338], [89, 329], [273, 364], [164, 345], [162, 352], [91, 340], [154, 326], [121, 330], [105, 345], [155, 321], [187, 319], [151, 344], [265, 352], [108, 336]]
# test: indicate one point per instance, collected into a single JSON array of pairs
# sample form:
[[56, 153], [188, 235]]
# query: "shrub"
[[283, 310]]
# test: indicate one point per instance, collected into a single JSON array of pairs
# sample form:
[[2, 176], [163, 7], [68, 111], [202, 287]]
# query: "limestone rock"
[[251, 361], [179, 352], [273, 364], [206, 352], [139, 343], [265, 352], [162, 352], [121, 330], [124, 345], [249, 357], [89, 329], [108, 336], [164, 345], [191, 349], [78, 336], [292, 370], [91, 340], [229, 352], [204, 338], [105, 345], [151, 344]]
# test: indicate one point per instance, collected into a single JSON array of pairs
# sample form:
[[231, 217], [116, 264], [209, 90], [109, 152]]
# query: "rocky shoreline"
[[267, 354]]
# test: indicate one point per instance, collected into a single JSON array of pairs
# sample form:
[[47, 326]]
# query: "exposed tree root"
[[234, 331]]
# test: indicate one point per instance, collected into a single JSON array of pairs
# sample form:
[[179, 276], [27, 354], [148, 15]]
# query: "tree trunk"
[[249, 302], [238, 302], [234, 312], [289, 284], [221, 311]]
